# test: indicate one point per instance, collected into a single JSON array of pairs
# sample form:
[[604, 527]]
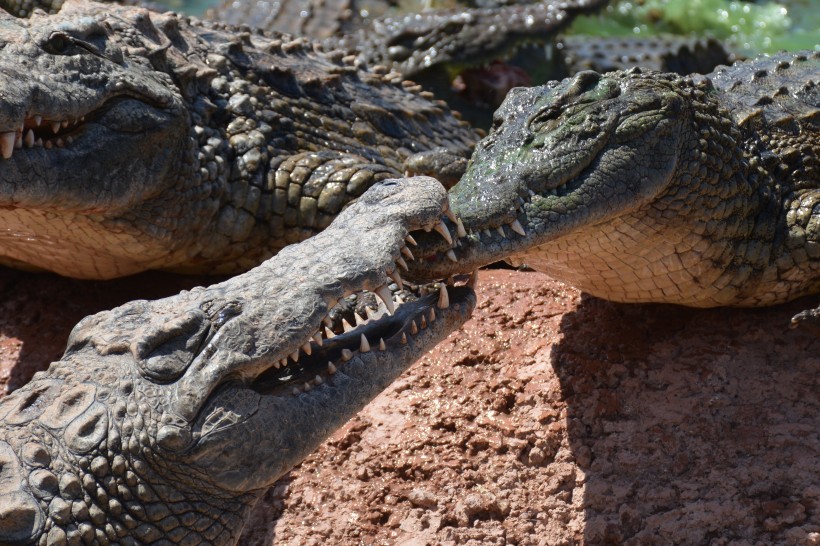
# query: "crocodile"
[[643, 186], [166, 420], [136, 140]]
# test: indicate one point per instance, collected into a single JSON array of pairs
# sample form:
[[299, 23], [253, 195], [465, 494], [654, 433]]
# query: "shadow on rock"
[[692, 426]]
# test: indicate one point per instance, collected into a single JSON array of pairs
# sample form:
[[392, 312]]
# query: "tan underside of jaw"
[[72, 245]]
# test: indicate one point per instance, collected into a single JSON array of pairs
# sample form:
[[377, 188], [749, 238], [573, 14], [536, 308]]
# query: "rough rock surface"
[[549, 419]]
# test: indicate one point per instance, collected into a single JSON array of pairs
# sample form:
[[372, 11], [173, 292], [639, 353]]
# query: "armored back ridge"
[[133, 140]]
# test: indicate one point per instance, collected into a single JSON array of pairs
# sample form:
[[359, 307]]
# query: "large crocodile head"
[[90, 131], [626, 184], [168, 419]]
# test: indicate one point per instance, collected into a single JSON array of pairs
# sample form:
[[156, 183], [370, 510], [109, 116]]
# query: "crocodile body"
[[152, 141], [166, 420], [642, 186]]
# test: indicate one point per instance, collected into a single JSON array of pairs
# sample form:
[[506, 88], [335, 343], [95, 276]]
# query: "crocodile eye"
[[57, 43]]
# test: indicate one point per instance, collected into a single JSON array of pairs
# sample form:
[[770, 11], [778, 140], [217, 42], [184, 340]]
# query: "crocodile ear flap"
[[164, 351]]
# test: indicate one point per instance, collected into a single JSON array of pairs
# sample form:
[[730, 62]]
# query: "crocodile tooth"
[[328, 321], [347, 354], [451, 255], [477, 235], [329, 333], [423, 322], [460, 231], [318, 380], [407, 253], [317, 337], [48, 145], [396, 279], [518, 228], [443, 297], [384, 293], [38, 120], [442, 229], [296, 391], [403, 338], [295, 355], [413, 328], [432, 315], [487, 233], [364, 346], [38, 142], [307, 348], [307, 387], [64, 123], [60, 143], [410, 240], [277, 364], [450, 215], [69, 139], [472, 282], [382, 346], [55, 126], [331, 369], [7, 143], [29, 139], [400, 261], [18, 141], [346, 325], [500, 230]]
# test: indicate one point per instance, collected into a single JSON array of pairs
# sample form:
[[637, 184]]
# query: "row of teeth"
[[24, 136], [365, 344]]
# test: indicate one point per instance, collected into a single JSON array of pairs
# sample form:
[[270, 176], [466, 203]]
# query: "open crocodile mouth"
[[37, 132], [394, 324]]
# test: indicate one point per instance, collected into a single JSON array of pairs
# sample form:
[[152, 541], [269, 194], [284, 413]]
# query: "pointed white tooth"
[[518, 228], [64, 123], [307, 387], [284, 362], [29, 139], [477, 235], [364, 346], [403, 338], [69, 139], [410, 240], [318, 380], [60, 143], [329, 333], [38, 120], [432, 315], [18, 141], [346, 325], [317, 337], [423, 322], [382, 346], [7, 144], [384, 293], [82, 119], [407, 253], [487, 233], [397, 279], [48, 145], [443, 297], [296, 391], [413, 328], [295, 355], [307, 348], [22, 126], [401, 263], [450, 215], [277, 365], [347, 354], [331, 369], [55, 126], [442, 229], [500, 230], [38, 142], [451, 255], [460, 231]]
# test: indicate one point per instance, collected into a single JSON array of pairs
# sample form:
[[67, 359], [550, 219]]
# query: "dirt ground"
[[548, 419]]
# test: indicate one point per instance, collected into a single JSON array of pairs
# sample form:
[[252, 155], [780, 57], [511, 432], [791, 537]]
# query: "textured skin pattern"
[[663, 53], [165, 421], [191, 146], [644, 186]]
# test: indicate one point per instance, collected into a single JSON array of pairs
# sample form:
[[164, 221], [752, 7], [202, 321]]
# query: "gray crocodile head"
[[169, 418], [622, 184]]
